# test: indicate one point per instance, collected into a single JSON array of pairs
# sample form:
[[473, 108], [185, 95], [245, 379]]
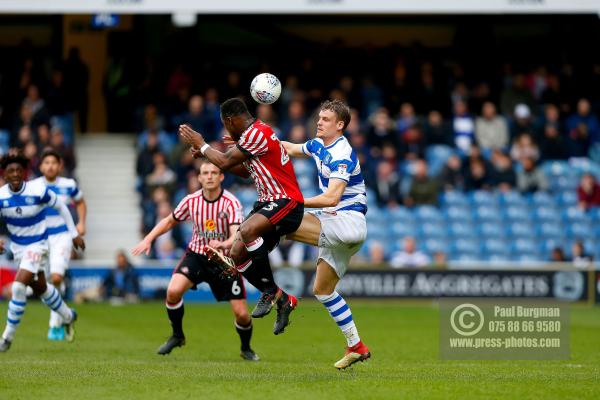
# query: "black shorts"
[[284, 214], [197, 268]]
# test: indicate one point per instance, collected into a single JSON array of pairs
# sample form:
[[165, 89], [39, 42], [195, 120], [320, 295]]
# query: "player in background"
[[339, 228], [22, 205], [216, 215], [59, 239], [277, 212]]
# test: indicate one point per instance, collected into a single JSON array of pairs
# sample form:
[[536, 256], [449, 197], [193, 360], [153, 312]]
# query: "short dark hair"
[[341, 110], [51, 153], [15, 158], [233, 107]]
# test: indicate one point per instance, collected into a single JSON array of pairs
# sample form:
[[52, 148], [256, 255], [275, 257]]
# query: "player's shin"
[[245, 333], [16, 309], [52, 298], [342, 315], [175, 312], [258, 271]]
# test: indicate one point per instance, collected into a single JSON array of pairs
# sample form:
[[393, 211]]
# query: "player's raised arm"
[[232, 157], [81, 208], [294, 149], [164, 226]]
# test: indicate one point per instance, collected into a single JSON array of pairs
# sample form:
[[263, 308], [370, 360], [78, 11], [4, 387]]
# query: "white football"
[[265, 88]]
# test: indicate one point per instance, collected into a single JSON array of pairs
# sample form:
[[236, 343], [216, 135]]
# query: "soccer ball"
[[265, 88]]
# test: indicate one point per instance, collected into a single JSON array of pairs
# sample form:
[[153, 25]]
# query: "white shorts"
[[342, 235], [61, 246], [32, 257]]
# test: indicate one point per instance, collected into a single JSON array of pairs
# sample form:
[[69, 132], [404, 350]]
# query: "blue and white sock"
[[341, 314], [16, 309], [56, 320], [54, 300]]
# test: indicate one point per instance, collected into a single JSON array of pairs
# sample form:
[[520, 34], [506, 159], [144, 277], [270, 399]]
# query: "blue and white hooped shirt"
[[24, 211], [68, 192], [339, 161]]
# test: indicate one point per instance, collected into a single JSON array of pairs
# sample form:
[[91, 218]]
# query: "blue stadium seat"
[[574, 214], [376, 215], [483, 197], [432, 230], [567, 183], [547, 245], [491, 230], [458, 213], [436, 157], [594, 213], [246, 195], [580, 230], [465, 245], [496, 257], [524, 245], [513, 198], [495, 246], [487, 213], [518, 213], [543, 199], [429, 213], [462, 229], [465, 256], [567, 198], [400, 214], [556, 168], [431, 246], [521, 229], [377, 231], [400, 229], [454, 198], [551, 230], [527, 257], [547, 214]]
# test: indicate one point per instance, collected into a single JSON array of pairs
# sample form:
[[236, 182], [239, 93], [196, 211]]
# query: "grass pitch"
[[114, 357]]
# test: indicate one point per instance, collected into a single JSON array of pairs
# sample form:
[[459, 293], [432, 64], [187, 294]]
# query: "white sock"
[[341, 314], [54, 300], [16, 308]]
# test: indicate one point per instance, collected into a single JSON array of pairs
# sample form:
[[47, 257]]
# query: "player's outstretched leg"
[[243, 327], [52, 298], [16, 309], [178, 285], [324, 289]]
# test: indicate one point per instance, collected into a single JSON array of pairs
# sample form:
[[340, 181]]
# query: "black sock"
[[245, 333], [259, 273], [175, 312]]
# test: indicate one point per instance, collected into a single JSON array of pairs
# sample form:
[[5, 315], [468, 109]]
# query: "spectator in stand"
[[77, 78], [585, 120], [558, 255], [37, 106], [437, 130], [56, 96], [161, 175], [296, 115], [57, 142], [553, 145], [522, 122], [387, 186], [197, 118], [380, 131], [407, 118], [552, 95], [145, 158], [376, 253], [491, 129], [412, 144], [503, 175], [478, 176], [588, 192], [122, 283], [581, 259], [463, 126], [530, 178], [524, 147], [424, 190], [516, 94], [452, 176], [440, 260], [409, 257]]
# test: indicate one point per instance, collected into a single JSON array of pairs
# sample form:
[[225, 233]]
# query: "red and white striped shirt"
[[211, 219], [269, 164]]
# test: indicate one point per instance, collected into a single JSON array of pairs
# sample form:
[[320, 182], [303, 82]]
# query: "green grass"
[[114, 357]]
